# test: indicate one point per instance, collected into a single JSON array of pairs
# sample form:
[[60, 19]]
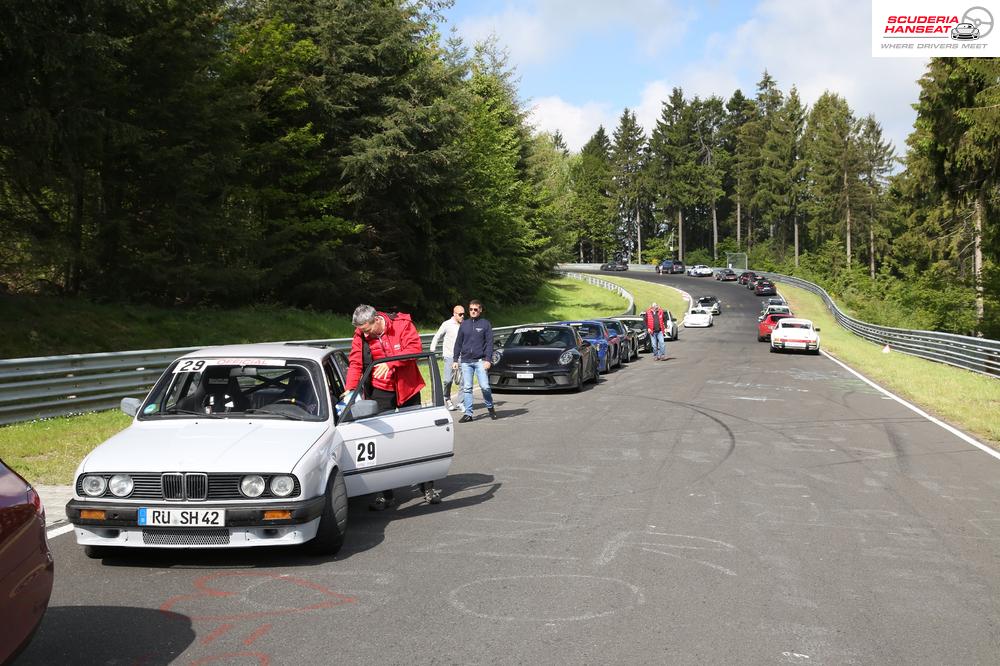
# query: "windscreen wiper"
[[177, 410], [262, 410]]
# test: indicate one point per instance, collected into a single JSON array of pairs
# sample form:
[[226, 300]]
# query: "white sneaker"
[[450, 405]]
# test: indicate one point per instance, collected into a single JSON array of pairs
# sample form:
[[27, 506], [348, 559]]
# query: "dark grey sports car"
[[543, 357]]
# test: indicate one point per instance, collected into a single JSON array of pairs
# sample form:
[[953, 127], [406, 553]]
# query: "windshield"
[[541, 337], [588, 331], [636, 324], [614, 326], [241, 388]]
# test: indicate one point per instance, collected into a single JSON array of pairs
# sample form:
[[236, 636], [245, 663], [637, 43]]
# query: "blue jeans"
[[659, 347], [468, 370]]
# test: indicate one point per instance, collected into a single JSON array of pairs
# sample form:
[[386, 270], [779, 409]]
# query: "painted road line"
[[955, 431], [56, 531]]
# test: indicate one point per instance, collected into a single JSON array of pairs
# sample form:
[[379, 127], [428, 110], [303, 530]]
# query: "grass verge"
[[646, 293], [966, 400], [48, 451]]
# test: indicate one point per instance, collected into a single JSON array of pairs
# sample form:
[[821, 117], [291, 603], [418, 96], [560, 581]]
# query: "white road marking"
[[56, 531], [955, 431]]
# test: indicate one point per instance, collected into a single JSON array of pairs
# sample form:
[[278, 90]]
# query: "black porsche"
[[543, 357]]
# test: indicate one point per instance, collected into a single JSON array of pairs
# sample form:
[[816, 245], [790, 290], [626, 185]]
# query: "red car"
[[767, 325], [745, 277], [26, 570]]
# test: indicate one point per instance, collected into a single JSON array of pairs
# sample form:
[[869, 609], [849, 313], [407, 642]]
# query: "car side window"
[[336, 386]]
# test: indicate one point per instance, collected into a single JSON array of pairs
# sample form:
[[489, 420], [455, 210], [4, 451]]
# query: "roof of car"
[[262, 350]]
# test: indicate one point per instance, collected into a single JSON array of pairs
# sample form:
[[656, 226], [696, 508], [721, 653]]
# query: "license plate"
[[163, 517], [525, 375]]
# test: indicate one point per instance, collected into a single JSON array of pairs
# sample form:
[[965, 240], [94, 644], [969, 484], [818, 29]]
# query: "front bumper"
[[795, 344], [245, 525], [543, 380]]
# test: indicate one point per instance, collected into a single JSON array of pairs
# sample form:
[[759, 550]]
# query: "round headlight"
[[565, 358], [496, 357], [121, 485], [94, 485], [282, 486], [252, 485]]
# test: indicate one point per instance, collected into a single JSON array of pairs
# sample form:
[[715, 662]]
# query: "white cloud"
[[815, 46], [576, 123]]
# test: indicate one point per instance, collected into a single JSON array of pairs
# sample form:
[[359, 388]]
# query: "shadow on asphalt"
[[365, 530], [108, 635]]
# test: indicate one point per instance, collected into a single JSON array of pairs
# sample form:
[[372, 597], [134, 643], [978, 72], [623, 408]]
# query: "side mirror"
[[585, 344], [131, 406], [363, 409], [816, 329]]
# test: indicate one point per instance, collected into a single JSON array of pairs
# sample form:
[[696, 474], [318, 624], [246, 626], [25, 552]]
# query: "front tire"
[[333, 523], [579, 378]]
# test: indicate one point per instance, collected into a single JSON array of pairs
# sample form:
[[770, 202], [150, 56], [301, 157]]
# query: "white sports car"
[[698, 318], [247, 445], [700, 270], [792, 333]]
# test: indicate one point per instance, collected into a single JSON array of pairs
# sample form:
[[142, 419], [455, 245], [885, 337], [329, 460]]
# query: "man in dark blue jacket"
[[474, 352]]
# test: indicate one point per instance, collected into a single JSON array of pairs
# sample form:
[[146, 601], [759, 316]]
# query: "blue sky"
[[581, 62]]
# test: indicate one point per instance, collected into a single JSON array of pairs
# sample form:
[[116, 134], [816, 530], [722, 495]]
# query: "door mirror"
[[362, 409], [816, 329], [131, 406]]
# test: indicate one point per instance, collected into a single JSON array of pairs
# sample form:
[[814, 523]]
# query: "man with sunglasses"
[[473, 351], [449, 330]]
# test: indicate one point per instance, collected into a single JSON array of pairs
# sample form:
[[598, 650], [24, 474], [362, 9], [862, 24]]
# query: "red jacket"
[[400, 337], [649, 320]]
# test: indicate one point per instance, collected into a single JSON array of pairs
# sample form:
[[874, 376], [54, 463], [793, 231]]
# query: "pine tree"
[[593, 204], [627, 159]]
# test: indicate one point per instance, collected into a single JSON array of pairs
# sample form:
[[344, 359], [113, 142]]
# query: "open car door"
[[398, 448]]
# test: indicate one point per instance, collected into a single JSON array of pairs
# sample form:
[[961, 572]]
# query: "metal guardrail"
[[46, 386], [962, 351]]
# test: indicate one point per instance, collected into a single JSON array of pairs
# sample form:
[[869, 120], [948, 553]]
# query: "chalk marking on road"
[[621, 540], [728, 572], [56, 531], [746, 397], [953, 430], [638, 598]]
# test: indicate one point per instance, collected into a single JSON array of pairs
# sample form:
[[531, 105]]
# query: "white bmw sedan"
[[792, 333], [247, 445]]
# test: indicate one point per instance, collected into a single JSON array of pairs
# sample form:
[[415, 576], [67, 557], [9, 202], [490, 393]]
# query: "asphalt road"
[[726, 506]]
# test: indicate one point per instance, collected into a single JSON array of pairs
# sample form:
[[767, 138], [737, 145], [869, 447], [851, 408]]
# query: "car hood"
[[206, 445], [540, 355]]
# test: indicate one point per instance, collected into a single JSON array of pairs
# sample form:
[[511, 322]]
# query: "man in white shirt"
[[448, 330]]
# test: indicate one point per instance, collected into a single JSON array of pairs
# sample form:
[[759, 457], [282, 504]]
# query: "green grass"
[[646, 293], [46, 326], [559, 300], [48, 451], [966, 400]]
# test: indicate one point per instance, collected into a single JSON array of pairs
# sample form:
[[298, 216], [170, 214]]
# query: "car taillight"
[[36, 501]]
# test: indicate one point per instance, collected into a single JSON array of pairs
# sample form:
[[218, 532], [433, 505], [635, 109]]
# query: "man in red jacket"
[[393, 384], [657, 331]]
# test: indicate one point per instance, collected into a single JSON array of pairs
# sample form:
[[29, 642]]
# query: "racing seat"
[[300, 392], [222, 391]]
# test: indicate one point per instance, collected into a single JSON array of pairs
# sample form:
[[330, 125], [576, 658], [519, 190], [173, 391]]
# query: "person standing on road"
[[449, 331], [394, 384], [473, 353], [657, 329]]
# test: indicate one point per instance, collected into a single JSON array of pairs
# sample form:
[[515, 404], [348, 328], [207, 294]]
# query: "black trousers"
[[387, 400]]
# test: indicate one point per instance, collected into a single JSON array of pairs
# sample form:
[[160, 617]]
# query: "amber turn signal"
[[92, 514], [277, 515]]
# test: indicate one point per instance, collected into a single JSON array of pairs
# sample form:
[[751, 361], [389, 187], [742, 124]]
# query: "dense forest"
[[319, 153]]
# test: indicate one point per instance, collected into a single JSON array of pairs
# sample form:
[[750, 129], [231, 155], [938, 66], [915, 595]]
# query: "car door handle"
[[440, 422]]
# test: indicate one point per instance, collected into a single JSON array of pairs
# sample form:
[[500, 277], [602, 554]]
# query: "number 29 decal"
[[365, 453]]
